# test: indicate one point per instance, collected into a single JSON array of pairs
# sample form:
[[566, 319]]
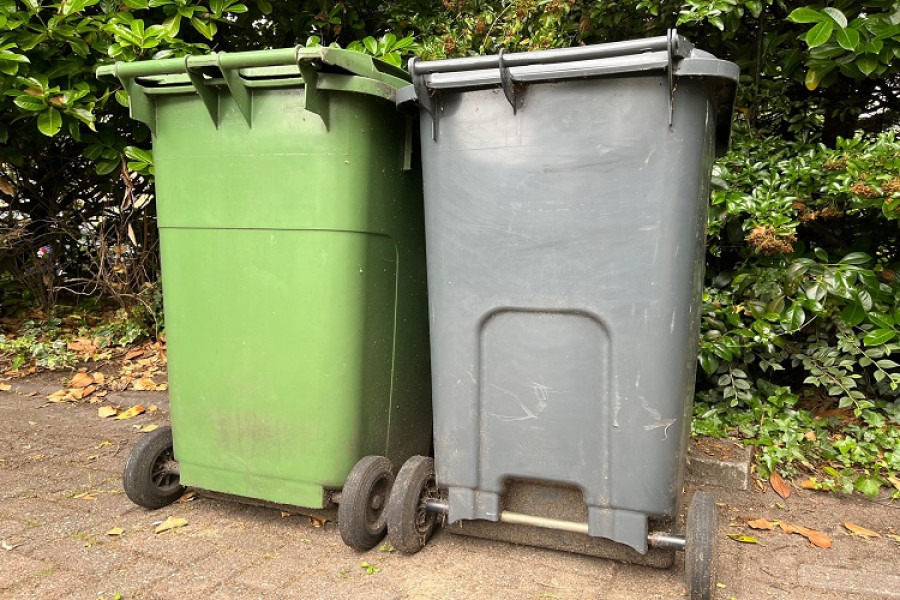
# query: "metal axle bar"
[[656, 539]]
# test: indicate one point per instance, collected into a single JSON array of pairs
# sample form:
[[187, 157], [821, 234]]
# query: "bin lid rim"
[[325, 59]]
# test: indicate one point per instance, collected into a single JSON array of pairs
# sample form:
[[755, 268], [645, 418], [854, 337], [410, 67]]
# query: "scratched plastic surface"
[[565, 262]]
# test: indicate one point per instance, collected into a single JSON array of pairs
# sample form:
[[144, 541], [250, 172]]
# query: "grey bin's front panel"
[[565, 262]]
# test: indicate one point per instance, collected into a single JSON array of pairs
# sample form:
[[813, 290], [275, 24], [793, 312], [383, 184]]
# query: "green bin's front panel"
[[294, 279]]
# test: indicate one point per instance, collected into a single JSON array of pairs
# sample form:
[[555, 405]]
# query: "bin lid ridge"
[[672, 54], [258, 64]]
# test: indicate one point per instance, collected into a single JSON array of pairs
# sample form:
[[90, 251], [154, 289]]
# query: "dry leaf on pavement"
[[146, 384], [896, 538], [862, 531], [779, 485], [186, 497], [809, 484], [5, 387], [81, 380], [83, 346], [170, 524], [106, 411], [136, 353], [816, 538], [763, 524], [115, 531], [131, 413], [148, 428]]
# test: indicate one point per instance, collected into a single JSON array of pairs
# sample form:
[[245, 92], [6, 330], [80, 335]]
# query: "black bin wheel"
[[363, 499], [700, 547], [409, 524], [151, 478]]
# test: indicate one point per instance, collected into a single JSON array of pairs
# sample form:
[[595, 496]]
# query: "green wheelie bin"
[[293, 269]]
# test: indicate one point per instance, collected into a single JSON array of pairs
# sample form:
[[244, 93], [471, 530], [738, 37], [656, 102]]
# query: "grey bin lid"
[[671, 54]]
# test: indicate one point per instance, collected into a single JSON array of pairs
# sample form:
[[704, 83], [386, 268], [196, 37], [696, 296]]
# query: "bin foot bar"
[[666, 541], [656, 539]]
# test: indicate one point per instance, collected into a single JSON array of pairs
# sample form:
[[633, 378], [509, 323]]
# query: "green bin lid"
[[321, 68]]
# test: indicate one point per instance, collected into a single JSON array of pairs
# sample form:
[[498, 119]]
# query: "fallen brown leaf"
[[136, 353], [60, 396], [88, 391], [170, 524], [83, 346], [5, 387], [115, 531], [99, 378], [186, 497], [131, 413], [816, 538], [148, 428], [809, 484], [779, 485], [144, 384], [81, 380], [861, 531], [763, 524], [106, 411]]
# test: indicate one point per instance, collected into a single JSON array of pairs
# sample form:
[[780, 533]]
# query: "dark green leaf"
[[848, 39], [806, 15], [879, 337], [49, 122], [793, 318], [820, 33], [139, 154], [856, 258], [867, 64], [31, 103], [853, 314]]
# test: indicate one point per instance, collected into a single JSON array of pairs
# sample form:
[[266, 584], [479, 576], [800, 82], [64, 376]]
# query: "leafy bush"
[[801, 314]]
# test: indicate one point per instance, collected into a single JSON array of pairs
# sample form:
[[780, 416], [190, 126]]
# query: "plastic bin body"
[[565, 262], [294, 280]]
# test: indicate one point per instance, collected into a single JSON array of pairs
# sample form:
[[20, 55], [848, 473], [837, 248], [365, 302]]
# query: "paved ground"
[[60, 494]]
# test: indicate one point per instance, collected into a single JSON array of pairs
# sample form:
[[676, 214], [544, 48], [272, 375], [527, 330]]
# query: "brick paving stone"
[[850, 582], [15, 566], [198, 579]]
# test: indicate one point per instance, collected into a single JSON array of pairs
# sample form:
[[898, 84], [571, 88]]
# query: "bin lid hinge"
[[506, 80], [208, 95], [315, 100], [242, 97], [423, 94]]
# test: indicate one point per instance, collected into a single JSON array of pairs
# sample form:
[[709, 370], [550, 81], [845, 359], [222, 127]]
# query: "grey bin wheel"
[[410, 525], [151, 478], [700, 547], [363, 499]]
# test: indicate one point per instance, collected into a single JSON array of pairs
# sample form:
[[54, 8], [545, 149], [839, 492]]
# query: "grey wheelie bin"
[[565, 209]]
